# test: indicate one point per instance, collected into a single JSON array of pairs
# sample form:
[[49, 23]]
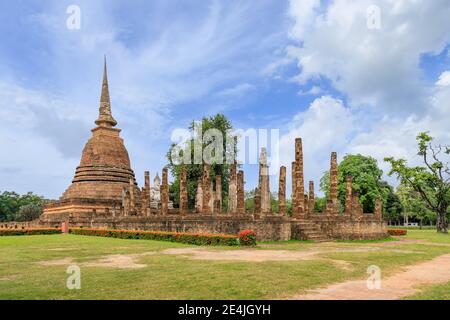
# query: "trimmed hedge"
[[189, 238], [247, 238], [397, 232], [27, 232]]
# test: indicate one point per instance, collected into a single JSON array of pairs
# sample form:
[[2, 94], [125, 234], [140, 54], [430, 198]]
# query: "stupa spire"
[[105, 118]]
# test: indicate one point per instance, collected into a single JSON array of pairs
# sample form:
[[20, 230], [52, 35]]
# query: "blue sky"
[[309, 68]]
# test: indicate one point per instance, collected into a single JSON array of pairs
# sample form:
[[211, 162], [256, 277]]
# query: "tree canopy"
[[14, 206], [431, 181], [219, 165]]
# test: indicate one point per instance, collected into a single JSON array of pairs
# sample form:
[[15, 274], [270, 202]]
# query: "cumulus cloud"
[[444, 79], [375, 67], [388, 101], [329, 125], [325, 126]]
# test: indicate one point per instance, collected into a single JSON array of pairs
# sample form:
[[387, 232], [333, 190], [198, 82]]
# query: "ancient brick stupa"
[[104, 168]]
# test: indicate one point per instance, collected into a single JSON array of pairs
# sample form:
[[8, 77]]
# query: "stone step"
[[314, 235]]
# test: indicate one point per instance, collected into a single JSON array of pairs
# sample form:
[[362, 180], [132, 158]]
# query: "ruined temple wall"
[[270, 228], [342, 227]]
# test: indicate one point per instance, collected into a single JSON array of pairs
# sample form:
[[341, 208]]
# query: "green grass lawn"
[[164, 276]]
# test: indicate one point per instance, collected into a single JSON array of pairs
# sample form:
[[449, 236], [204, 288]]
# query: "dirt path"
[[394, 287]]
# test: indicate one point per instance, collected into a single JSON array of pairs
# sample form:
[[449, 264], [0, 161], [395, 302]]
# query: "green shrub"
[[27, 232], [188, 238]]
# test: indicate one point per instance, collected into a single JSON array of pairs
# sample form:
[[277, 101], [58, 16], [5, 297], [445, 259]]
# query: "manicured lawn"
[[429, 235], [28, 269], [436, 292]]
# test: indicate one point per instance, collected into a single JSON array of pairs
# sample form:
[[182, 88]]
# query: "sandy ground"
[[120, 261], [394, 287], [255, 255], [8, 278]]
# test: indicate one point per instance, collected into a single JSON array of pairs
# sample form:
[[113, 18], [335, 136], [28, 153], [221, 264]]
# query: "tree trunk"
[[441, 223]]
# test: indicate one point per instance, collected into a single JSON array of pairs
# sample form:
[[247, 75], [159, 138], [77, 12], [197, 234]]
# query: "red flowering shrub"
[[189, 238], [27, 232], [247, 238], [397, 232]]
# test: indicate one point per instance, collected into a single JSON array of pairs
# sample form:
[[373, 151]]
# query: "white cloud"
[[327, 125], [377, 70], [237, 91], [324, 127], [39, 141], [305, 12], [373, 67], [444, 79]]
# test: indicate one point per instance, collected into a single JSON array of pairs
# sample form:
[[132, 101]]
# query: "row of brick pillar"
[[209, 200], [303, 204]]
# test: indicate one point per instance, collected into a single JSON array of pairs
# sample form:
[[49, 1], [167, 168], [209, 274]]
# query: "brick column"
[[282, 192], [165, 192], [264, 184], [206, 187], [232, 190], [147, 181], [333, 202], [299, 177], [146, 195], [199, 196], [65, 226], [379, 209], [294, 189], [311, 198], [257, 201], [218, 195], [240, 193], [357, 209], [183, 191]]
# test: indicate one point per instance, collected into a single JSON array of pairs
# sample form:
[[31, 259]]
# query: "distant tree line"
[[16, 207]]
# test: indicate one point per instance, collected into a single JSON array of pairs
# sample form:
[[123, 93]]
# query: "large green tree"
[[13, 206], [366, 177], [413, 205], [220, 166], [392, 206], [431, 181]]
